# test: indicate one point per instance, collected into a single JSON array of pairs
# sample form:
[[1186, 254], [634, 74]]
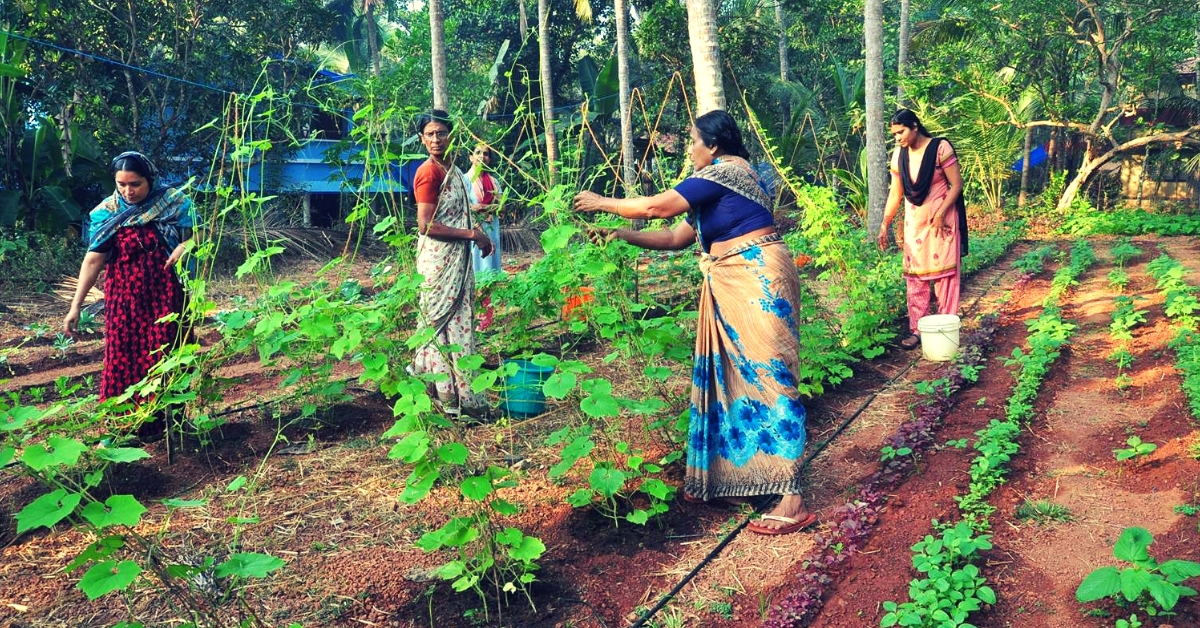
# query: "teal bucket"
[[523, 389]]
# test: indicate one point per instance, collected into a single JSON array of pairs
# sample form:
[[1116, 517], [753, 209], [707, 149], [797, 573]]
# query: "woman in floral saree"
[[746, 432], [447, 300]]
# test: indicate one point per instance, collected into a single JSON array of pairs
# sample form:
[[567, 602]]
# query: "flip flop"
[[912, 341], [793, 525]]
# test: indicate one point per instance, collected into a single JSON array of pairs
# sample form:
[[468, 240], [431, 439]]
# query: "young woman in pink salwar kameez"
[[925, 176]]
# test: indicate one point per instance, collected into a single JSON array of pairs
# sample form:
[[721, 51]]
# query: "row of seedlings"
[[852, 523], [1182, 306], [951, 587], [1125, 315]]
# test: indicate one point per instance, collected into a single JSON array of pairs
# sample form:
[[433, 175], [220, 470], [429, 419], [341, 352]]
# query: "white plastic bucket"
[[939, 336]]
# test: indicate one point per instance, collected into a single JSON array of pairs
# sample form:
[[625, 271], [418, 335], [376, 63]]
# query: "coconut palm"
[[706, 55], [437, 45], [877, 175], [627, 156]]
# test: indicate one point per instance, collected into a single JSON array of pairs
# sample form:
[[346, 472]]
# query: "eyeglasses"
[[436, 135]]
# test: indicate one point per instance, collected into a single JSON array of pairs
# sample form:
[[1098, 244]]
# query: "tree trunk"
[[373, 35], [437, 44], [785, 68], [706, 55], [877, 182], [905, 35], [1090, 165], [628, 159], [1025, 167], [547, 91]]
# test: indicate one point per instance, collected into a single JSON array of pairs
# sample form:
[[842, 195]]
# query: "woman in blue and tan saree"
[[447, 299], [746, 433]]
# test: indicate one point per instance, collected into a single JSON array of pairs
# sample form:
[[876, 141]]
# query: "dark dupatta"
[[916, 192]]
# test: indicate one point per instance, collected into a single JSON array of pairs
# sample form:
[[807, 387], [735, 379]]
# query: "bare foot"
[[791, 506]]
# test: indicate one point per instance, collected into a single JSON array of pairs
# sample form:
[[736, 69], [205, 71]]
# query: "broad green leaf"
[[97, 551], [658, 373], [56, 451], [557, 237], [505, 507], [658, 489], [453, 453], [456, 533], [237, 483], [484, 381], [116, 510], [1163, 592], [451, 570], [509, 537], [559, 385], [419, 482], [1134, 582], [121, 454], [580, 498], [16, 417], [1099, 584], [571, 454], [465, 583], [236, 319], [639, 517], [7, 454], [251, 264], [375, 366], [476, 488], [1132, 544], [411, 448], [47, 510], [248, 565], [529, 549], [600, 405], [108, 576], [607, 482], [1177, 571]]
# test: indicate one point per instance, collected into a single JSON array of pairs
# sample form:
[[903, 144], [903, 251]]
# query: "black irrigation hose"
[[662, 602]]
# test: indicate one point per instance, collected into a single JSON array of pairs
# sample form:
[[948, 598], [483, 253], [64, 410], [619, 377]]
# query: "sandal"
[[791, 525], [912, 341]]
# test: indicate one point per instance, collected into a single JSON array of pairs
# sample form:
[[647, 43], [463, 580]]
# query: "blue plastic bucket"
[[523, 389]]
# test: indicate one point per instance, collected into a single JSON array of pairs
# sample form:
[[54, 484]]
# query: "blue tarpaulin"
[[1036, 157]]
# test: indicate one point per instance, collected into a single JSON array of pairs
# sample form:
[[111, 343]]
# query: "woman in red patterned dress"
[[138, 234]]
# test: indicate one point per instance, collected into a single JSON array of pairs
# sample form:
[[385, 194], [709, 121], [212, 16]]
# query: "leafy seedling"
[[1136, 449]]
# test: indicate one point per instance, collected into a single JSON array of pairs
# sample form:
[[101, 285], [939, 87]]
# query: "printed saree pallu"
[[746, 434]]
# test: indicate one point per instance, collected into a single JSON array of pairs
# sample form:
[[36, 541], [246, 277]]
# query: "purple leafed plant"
[[852, 523]]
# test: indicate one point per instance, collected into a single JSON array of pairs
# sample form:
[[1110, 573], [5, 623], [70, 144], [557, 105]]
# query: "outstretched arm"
[[681, 237], [663, 205]]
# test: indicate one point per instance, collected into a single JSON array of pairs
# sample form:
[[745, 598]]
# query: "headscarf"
[[168, 209]]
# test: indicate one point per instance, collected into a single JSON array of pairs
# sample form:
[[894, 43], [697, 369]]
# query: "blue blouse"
[[719, 214]]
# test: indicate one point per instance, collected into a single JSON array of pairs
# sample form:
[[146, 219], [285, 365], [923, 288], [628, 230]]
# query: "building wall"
[[1186, 189]]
